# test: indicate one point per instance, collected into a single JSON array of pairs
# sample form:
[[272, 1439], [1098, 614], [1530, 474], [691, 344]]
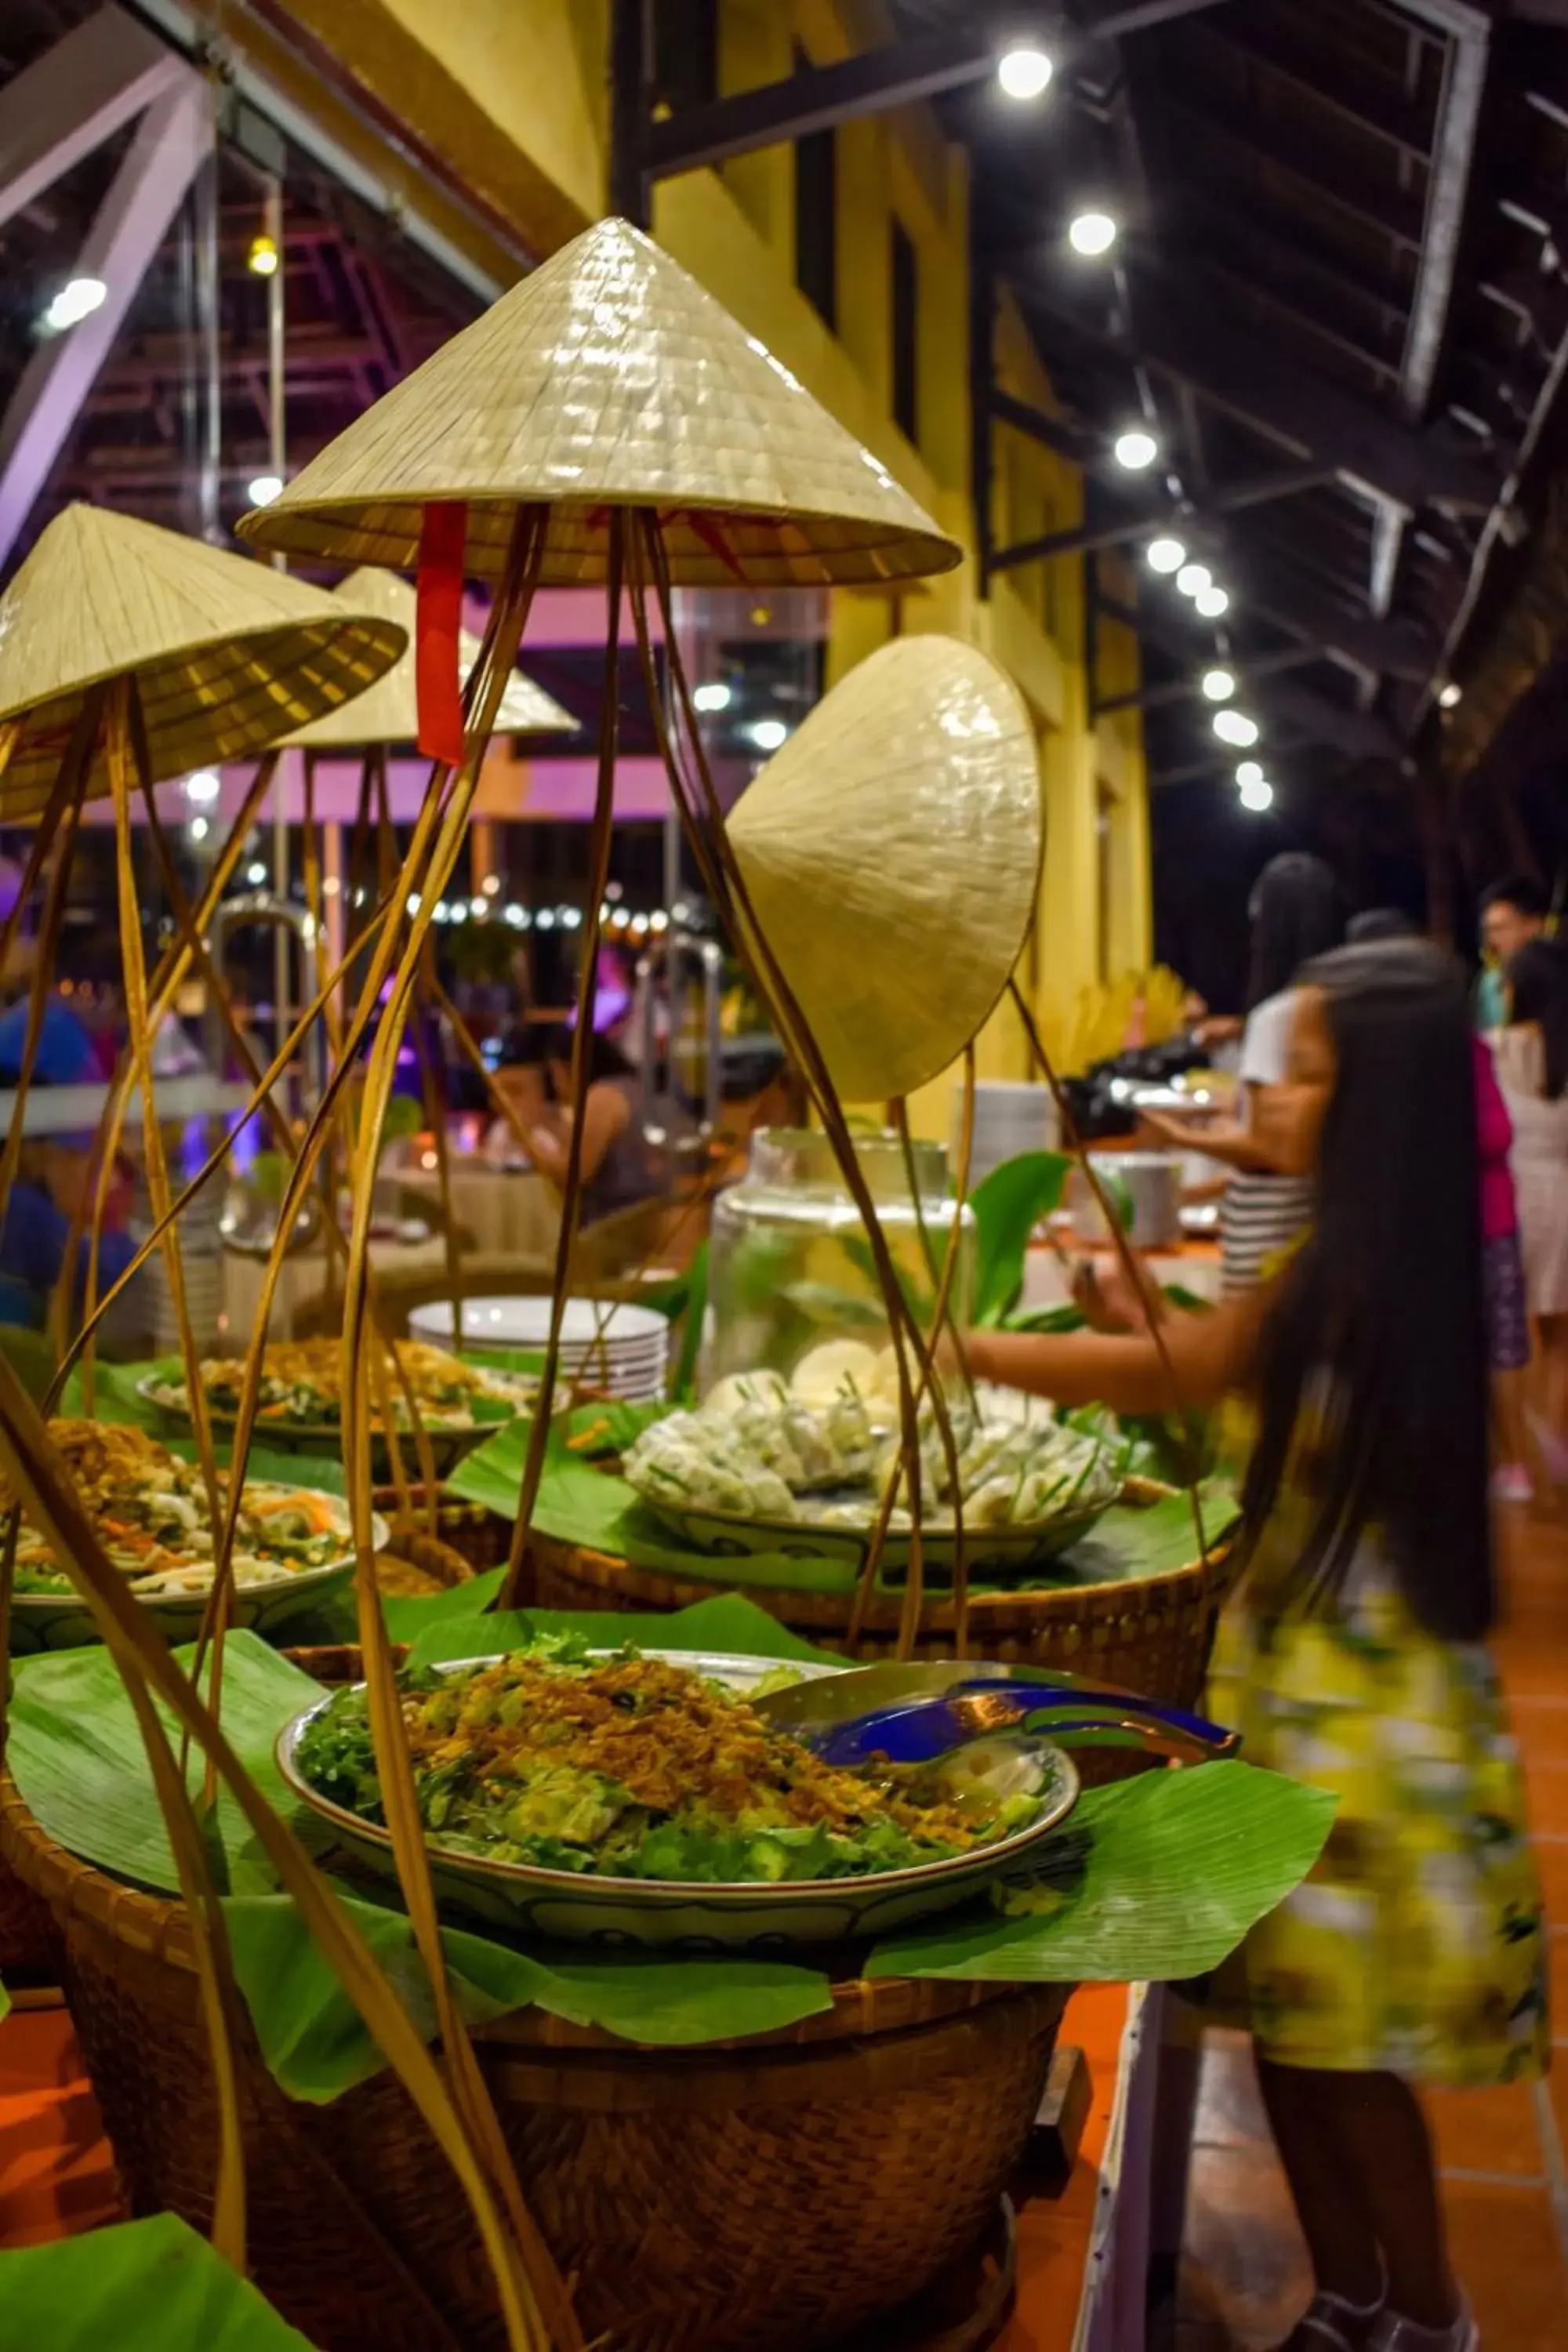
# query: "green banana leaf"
[[5, 2002], [114, 1393], [77, 1757], [1008, 1205], [140, 2286], [30, 1357], [1173, 1869], [317, 2045], [727, 1625]]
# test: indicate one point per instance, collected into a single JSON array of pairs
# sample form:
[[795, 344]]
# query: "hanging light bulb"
[[1136, 450], [1251, 772], [1219, 685], [1092, 234], [1166, 556], [1194, 578], [1024, 72], [1256, 796], [1236, 726], [1212, 602]]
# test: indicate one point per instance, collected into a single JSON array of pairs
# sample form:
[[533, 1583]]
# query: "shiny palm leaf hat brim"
[[227, 654], [388, 712], [609, 378], [891, 853]]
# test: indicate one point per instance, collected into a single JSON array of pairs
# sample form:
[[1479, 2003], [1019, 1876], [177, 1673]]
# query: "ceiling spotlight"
[[767, 734], [1092, 234], [1166, 555], [1025, 73], [198, 828], [714, 695], [1194, 578], [1212, 602], [1236, 726], [1136, 450], [202, 789], [76, 299], [1250, 773], [1451, 695], [1219, 685], [1256, 796], [264, 489], [262, 258]]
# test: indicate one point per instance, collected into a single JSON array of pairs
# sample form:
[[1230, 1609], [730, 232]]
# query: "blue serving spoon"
[[915, 1714]]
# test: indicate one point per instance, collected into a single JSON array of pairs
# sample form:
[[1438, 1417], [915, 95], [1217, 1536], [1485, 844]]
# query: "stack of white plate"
[[619, 1349], [1008, 1118]]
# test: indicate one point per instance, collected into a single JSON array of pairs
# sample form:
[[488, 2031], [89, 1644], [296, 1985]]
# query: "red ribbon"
[[438, 620]]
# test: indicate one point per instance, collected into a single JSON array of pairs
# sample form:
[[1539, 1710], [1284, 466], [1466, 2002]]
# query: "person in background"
[[620, 1168], [1414, 1954], [1513, 912], [1531, 1053], [53, 1175], [1502, 1263], [1296, 915]]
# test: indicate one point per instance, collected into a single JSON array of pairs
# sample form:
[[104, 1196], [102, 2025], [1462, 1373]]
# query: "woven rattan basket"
[[1150, 1634], [416, 1563], [478, 1536], [774, 2196]]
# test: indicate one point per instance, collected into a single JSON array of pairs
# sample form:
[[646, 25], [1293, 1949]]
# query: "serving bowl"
[[1006, 1550], [522, 1899], [62, 1621]]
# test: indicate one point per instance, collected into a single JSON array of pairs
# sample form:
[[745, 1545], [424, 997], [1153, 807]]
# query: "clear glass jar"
[[790, 1264]]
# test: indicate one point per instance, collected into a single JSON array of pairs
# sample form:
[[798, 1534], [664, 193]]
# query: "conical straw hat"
[[891, 851], [388, 713], [610, 377], [228, 654]]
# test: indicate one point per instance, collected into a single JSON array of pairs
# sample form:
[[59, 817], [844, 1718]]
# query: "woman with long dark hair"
[[1414, 1954], [1531, 1054], [1296, 913]]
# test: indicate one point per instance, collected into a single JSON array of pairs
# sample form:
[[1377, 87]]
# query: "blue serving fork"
[[914, 1713]]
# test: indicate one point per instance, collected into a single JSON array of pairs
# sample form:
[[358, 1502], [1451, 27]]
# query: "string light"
[[1451, 695], [1135, 450], [1166, 556], [264, 489], [255, 874], [1092, 234], [202, 789], [768, 734], [198, 828], [1251, 772], [714, 695], [77, 298], [1256, 796], [1194, 578], [1219, 685], [1212, 602], [1025, 73], [262, 258], [1236, 726]]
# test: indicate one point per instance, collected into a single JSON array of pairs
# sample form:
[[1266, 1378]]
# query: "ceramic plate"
[[448, 1444], [62, 1621], [616, 1911]]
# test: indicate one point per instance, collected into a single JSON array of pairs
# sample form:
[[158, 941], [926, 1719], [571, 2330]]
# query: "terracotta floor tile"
[[1552, 1858], [1487, 2131], [1244, 2265], [1546, 1790], [1505, 2249], [1532, 1656]]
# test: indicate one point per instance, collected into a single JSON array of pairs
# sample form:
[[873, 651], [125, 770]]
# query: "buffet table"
[[1082, 2256]]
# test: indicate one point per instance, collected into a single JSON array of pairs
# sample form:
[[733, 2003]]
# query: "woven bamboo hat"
[[228, 654], [610, 377], [388, 713], [891, 851]]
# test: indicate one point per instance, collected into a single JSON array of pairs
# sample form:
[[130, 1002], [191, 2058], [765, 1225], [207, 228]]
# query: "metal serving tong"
[[914, 1713]]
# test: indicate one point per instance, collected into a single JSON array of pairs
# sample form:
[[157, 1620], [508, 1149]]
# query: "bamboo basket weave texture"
[[770, 2197]]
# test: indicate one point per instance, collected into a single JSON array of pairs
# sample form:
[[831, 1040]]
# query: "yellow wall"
[[483, 80]]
